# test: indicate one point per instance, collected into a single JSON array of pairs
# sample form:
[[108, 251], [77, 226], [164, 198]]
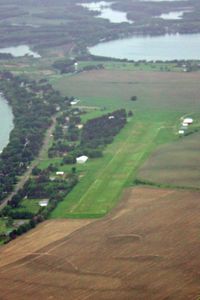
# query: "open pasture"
[[157, 92], [147, 248]]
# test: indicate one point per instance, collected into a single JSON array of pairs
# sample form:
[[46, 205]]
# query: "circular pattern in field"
[[148, 248]]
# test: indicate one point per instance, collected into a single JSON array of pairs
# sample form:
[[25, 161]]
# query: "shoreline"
[[7, 122]]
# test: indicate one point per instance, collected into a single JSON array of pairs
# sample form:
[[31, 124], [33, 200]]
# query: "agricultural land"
[[147, 248], [125, 224]]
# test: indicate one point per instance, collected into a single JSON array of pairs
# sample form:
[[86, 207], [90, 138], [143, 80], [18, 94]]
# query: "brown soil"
[[148, 248]]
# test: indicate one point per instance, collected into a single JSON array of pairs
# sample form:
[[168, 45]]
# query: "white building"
[[188, 121], [181, 132], [44, 203], [76, 66], [60, 173], [74, 102], [81, 159]]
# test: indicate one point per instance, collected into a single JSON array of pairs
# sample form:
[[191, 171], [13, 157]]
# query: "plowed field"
[[148, 248]]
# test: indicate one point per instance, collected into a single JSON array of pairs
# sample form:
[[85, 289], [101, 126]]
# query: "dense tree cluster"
[[73, 139], [65, 66], [6, 56], [100, 131], [95, 135], [66, 132], [33, 108]]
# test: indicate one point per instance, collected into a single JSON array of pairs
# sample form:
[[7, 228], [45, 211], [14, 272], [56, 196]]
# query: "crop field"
[[176, 164], [147, 248], [163, 98]]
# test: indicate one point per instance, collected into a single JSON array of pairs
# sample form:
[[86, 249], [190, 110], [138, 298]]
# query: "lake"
[[167, 47], [6, 122], [174, 15], [106, 12], [18, 51]]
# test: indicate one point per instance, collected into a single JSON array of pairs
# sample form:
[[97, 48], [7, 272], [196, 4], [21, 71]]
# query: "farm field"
[[175, 164], [163, 99], [163, 92], [45, 233], [147, 248]]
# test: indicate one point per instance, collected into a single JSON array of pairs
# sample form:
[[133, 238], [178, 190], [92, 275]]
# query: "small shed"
[[188, 121], [79, 126], [44, 203], [76, 66], [111, 117], [181, 132], [82, 159], [74, 102], [60, 173]]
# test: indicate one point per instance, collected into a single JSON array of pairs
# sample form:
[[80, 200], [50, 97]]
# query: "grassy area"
[[3, 226], [31, 205], [162, 100], [102, 180], [136, 66]]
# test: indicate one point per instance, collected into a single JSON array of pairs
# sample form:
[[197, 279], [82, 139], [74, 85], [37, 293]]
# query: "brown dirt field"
[[45, 233], [148, 248]]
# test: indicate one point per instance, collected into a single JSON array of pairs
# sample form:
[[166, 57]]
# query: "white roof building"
[[74, 102], [81, 159], [188, 121], [59, 173], [181, 132], [79, 126], [44, 203]]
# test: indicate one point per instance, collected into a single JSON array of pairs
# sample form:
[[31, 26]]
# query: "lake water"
[[175, 15], [168, 47], [106, 12], [6, 122], [18, 51]]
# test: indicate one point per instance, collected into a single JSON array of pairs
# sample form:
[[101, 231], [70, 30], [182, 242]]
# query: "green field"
[[130, 66], [31, 205], [162, 100], [102, 180], [3, 226]]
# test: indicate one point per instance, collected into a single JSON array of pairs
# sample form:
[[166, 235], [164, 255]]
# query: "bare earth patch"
[[148, 248]]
